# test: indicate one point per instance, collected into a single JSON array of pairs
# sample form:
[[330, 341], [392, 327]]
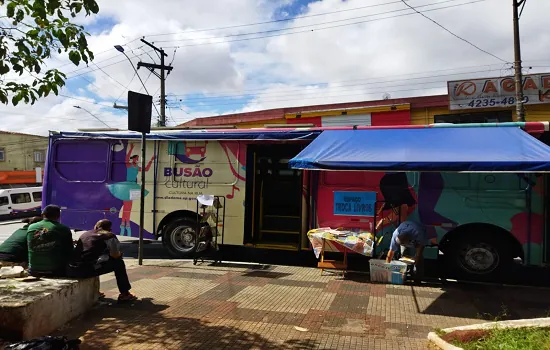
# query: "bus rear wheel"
[[478, 257], [179, 237]]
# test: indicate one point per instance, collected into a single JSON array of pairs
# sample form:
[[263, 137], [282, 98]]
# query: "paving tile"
[[350, 303], [232, 306], [283, 298]]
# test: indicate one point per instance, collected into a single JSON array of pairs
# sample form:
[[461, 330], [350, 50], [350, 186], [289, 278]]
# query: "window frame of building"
[[26, 195], [475, 117], [41, 156], [2, 154]]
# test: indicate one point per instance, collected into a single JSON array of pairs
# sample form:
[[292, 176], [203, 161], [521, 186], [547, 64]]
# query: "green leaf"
[[11, 9], [91, 6], [74, 56], [4, 68], [15, 99], [33, 33], [3, 97], [20, 15]]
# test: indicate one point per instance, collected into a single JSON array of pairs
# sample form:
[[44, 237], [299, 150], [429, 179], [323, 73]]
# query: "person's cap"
[[51, 210]]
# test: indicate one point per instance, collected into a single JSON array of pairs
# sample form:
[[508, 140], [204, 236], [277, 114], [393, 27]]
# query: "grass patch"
[[527, 338]]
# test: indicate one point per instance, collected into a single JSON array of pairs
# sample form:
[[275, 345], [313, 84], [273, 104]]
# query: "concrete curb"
[[535, 322]]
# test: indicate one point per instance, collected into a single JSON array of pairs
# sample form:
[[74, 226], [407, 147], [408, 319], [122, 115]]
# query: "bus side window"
[[37, 196], [20, 198], [83, 161], [4, 201]]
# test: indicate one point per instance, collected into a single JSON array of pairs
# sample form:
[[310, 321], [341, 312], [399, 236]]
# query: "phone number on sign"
[[492, 102]]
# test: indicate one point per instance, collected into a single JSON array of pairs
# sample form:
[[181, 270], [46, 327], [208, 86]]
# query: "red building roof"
[[279, 113]]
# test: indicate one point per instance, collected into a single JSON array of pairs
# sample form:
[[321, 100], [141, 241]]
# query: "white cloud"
[[356, 62]]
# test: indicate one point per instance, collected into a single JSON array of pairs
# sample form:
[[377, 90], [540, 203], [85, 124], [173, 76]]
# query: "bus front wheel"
[[179, 237]]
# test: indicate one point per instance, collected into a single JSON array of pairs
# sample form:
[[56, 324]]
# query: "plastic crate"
[[381, 271]]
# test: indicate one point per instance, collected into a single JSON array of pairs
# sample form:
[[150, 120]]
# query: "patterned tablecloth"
[[358, 242]]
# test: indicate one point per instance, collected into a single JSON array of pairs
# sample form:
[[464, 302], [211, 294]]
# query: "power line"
[[522, 7], [127, 87], [308, 25], [109, 76], [371, 81], [86, 101], [274, 21], [450, 32], [323, 28], [363, 93], [89, 70], [93, 115]]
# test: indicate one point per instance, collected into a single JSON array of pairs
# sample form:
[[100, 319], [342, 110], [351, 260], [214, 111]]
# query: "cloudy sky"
[[242, 55]]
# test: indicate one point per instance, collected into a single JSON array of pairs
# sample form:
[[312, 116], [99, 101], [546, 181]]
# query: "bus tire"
[[480, 256], [179, 237]]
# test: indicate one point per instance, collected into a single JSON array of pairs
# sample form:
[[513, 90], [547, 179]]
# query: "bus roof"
[[280, 133]]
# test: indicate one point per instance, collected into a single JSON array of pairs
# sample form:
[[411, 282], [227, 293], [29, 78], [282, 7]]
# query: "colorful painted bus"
[[482, 220]]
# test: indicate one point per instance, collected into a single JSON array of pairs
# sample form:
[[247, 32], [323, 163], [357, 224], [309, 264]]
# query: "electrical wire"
[[321, 97], [370, 81], [274, 21], [309, 25], [110, 77], [452, 33], [323, 28], [127, 87], [523, 2]]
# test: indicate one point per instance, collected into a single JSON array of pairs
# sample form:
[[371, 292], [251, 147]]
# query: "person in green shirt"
[[14, 249], [50, 244]]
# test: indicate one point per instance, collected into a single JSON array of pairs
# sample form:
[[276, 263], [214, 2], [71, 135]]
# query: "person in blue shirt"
[[409, 239]]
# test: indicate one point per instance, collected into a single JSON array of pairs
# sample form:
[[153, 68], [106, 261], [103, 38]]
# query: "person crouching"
[[97, 253]]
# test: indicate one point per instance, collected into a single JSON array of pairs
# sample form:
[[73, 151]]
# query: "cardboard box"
[[381, 271]]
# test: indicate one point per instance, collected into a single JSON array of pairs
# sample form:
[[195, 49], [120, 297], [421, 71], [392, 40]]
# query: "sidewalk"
[[247, 307]]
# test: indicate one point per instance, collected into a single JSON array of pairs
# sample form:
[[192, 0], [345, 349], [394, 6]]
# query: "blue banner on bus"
[[354, 203]]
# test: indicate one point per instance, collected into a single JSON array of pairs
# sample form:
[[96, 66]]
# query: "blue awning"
[[481, 149]]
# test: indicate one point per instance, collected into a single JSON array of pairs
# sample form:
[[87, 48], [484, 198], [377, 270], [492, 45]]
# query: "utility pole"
[[520, 109], [161, 76]]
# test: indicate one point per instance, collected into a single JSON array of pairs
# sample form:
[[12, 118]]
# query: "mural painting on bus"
[[497, 199], [233, 151], [400, 202], [394, 190], [208, 169], [123, 190]]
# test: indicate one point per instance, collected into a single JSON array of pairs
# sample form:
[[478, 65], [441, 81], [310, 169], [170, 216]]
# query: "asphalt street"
[[152, 250]]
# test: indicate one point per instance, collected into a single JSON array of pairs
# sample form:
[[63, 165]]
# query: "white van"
[[18, 202]]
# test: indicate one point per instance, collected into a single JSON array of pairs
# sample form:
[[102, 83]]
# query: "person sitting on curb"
[[97, 252], [14, 249], [50, 245], [410, 239]]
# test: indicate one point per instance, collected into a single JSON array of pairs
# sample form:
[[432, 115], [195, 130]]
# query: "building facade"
[[403, 111], [20, 156]]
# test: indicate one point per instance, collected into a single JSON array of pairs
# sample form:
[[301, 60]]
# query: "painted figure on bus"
[[234, 153], [124, 190]]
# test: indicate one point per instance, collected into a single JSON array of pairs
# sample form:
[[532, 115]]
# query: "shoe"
[[127, 297]]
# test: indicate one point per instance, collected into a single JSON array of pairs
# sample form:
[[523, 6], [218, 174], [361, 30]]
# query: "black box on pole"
[[139, 112]]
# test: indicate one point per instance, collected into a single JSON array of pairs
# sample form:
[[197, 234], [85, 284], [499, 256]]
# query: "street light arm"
[[135, 70]]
